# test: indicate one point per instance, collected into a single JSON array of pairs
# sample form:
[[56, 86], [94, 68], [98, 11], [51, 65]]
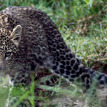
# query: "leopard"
[[29, 40]]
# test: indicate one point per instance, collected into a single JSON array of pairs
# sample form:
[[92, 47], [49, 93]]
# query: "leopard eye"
[[7, 54]]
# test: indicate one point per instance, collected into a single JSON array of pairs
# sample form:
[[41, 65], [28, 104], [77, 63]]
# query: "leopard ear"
[[16, 35]]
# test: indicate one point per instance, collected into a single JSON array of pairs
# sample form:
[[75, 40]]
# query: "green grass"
[[83, 25]]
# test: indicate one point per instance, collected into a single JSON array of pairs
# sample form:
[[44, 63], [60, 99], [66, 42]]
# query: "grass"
[[83, 25]]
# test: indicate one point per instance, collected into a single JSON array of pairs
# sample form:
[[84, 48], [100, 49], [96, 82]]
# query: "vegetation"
[[83, 25]]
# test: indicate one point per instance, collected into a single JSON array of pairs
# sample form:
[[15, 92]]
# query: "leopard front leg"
[[21, 77]]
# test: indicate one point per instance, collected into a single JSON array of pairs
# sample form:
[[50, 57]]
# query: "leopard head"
[[9, 42]]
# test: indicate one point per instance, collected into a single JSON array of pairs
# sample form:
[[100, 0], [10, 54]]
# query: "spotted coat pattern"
[[41, 44]]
